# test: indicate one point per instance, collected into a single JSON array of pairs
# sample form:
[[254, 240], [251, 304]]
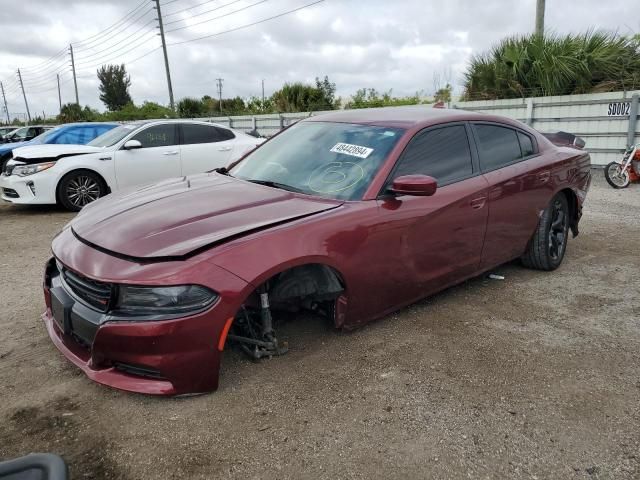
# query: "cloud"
[[379, 44]]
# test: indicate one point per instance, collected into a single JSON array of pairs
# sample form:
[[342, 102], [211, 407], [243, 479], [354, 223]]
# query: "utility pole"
[[59, 95], [219, 83], [164, 51], [73, 69], [263, 93], [6, 109], [24, 95], [540, 17]]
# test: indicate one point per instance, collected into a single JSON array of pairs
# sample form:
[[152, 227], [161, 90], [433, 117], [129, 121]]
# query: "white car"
[[129, 155]]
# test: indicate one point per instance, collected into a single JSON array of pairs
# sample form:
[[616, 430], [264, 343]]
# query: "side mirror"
[[416, 185], [132, 145]]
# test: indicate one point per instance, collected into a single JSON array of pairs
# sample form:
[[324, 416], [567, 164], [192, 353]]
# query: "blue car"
[[70, 133]]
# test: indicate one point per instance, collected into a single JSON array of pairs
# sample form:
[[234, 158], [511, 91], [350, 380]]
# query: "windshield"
[[336, 160], [19, 133], [113, 136], [40, 139]]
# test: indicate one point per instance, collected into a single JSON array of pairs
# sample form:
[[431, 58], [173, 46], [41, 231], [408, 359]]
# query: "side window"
[[442, 153], [157, 136], [526, 144], [193, 133], [498, 146], [225, 134]]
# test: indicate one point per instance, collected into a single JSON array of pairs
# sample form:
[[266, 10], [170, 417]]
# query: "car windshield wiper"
[[222, 171], [281, 186]]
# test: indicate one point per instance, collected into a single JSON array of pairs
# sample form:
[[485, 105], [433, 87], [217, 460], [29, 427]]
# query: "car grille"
[[96, 294], [139, 370]]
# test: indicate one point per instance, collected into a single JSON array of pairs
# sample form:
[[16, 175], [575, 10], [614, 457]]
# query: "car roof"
[[82, 124], [397, 116]]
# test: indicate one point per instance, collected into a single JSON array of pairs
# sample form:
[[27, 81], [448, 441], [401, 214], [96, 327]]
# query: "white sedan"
[[129, 155]]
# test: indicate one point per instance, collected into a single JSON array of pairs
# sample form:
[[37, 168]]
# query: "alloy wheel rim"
[[83, 190], [557, 231]]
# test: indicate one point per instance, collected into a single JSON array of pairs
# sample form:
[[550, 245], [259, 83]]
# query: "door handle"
[[172, 152], [224, 149], [478, 203]]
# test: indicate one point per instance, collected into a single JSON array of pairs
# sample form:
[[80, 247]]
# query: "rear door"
[[205, 147], [519, 188], [159, 157], [435, 241]]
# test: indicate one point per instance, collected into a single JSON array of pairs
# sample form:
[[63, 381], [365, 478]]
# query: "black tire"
[[79, 188], [548, 245], [614, 177]]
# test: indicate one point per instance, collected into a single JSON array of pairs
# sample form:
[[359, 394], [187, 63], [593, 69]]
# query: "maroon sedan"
[[351, 215]]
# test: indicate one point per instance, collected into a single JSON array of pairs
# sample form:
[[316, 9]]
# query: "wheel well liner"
[[574, 209], [308, 280]]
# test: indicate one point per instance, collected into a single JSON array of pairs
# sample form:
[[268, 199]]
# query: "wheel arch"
[[317, 269], [80, 169]]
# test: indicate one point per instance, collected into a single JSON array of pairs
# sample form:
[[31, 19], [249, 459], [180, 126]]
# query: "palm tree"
[[535, 65]]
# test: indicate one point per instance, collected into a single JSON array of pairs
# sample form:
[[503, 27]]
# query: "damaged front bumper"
[[164, 357]]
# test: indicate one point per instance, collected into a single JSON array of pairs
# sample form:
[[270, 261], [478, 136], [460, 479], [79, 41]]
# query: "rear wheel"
[[549, 242], [80, 188], [616, 176]]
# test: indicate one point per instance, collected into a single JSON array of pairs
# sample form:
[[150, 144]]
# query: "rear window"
[[198, 133], [498, 146], [526, 144]]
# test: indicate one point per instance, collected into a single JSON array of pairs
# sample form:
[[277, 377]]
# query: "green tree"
[[190, 107], [71, 112], [114, 86], [371, 98], [443, 94], [299, 97], [554, 65]]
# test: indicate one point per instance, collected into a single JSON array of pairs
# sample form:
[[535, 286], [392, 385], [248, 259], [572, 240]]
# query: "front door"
[[433, 241], [158, 159]]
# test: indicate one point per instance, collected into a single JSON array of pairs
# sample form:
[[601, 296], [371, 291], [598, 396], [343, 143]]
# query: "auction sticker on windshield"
[[353, 150]]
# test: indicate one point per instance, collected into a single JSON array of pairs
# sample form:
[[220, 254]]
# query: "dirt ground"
[[536, 376]]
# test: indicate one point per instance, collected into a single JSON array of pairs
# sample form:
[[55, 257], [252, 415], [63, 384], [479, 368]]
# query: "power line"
[[121, 29], [189, 8], [109, 58], [129, 40], [249, 24], [203, 13], [109, 28], [219, 16], [47, 61]]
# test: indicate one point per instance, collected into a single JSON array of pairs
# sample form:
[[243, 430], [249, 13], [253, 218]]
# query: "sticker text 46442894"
[[353, 150]]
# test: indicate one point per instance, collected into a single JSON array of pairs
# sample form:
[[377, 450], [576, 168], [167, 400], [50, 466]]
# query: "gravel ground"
[[536, 376]]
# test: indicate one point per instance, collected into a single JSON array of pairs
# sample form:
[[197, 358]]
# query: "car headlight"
[[163, 300], [25, 170]]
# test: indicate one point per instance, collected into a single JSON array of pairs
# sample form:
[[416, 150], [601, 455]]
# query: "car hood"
[[7, 147], [53, 151], [180, 217]]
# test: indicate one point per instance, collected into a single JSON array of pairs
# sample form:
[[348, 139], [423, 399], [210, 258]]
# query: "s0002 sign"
[[618, 108]]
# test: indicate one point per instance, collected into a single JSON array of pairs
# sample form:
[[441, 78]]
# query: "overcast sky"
[[385, 44]]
